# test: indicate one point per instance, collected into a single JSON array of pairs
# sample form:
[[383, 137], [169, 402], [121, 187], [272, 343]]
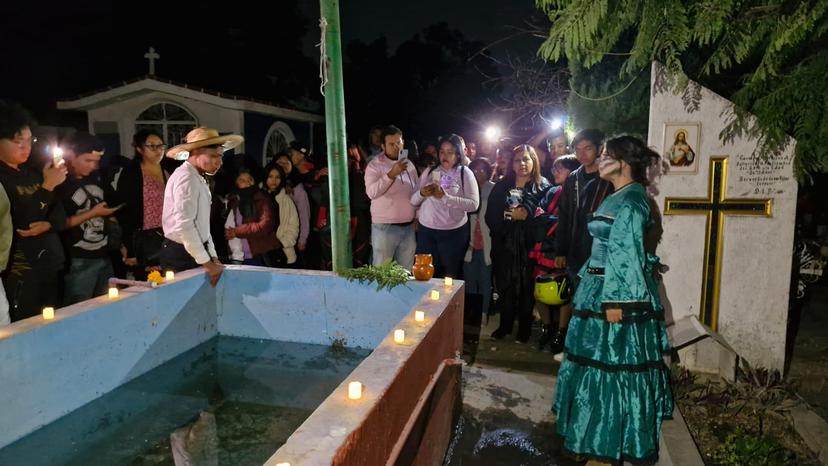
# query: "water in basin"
[[229, 401]]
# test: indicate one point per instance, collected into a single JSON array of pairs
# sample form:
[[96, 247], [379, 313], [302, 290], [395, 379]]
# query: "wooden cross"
[[715, 207], [152, 56]]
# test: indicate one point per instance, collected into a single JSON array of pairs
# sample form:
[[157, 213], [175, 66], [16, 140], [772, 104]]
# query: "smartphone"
[[435, 176], [118, 206], [403, 154], [57, 154]]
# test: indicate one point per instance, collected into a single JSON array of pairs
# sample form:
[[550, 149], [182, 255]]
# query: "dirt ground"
[[808, 369], [713, 412]]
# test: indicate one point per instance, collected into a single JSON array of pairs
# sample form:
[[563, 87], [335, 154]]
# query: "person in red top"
[[543, 253], [477, 267], [141, 189], [255, 221]]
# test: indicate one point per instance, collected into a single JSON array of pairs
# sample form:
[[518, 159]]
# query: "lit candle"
[[448, 281], [355, 390], [399, 335], [113, 292], [48, 313], [169, 275], [282, 464], [419, 316], [435, 295]]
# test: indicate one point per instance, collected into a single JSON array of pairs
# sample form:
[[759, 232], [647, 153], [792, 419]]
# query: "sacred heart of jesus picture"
[[681, 145]]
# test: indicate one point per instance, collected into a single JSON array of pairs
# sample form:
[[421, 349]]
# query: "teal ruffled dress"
[[613, 386]]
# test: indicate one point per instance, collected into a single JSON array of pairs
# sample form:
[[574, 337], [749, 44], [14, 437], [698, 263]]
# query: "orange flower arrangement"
[[155, 277]]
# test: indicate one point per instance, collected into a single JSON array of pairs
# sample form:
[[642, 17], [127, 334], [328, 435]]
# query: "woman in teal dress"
[[613, 386]]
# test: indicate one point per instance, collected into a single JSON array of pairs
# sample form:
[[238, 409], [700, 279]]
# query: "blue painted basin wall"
[[312, 308], [48, 369]]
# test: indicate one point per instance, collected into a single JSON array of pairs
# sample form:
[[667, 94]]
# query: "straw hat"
[[202, 137]]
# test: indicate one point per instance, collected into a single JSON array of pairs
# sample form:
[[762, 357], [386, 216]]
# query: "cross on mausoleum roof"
[[151, 56]]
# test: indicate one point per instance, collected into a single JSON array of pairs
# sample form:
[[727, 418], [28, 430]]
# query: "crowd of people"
[[502, 217]]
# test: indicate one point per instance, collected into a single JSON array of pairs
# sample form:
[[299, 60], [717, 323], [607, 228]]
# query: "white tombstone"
[[730, 267]]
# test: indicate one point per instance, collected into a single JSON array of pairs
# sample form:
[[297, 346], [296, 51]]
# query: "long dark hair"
[[635, 152], [245, 196], [535, 175], [459, 147], [270, 167]]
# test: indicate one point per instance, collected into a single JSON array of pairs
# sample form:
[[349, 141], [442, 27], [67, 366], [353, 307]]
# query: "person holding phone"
[[447, 194], [389, 183], [36, 257], [510, 215], [86, 233]]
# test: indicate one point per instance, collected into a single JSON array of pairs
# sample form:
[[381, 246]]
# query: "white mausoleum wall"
[[757, 251]]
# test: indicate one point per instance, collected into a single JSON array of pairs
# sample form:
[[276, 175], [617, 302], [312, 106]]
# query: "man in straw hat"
[[186, 214]]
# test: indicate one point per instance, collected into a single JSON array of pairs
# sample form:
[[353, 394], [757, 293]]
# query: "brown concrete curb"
[[813, 430]]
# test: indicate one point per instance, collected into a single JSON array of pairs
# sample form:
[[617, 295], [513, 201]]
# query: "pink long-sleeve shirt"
[[390, 198], [460, 198]]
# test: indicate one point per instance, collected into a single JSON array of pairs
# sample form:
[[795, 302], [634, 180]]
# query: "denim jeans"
[[87, 278], [393, 242]]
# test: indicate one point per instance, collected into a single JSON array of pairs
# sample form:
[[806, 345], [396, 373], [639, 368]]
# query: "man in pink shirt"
[[390, 181]]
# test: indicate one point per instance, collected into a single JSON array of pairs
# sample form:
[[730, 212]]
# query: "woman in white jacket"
[[477, 266], [287, 228]]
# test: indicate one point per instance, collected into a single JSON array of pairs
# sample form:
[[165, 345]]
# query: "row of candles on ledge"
[[49, 312], [355, 388]]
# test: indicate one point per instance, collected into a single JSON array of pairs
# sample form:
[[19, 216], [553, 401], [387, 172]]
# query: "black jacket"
[[130, 192], [31, 203], [582, 194], [532, 196], [511, 240]]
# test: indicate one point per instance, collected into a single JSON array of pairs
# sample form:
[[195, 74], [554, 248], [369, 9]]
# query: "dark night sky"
[[53, 51], [486, 20]]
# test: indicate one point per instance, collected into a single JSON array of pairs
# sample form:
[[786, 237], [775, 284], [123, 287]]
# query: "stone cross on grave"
[[151, 56], [715, 207]]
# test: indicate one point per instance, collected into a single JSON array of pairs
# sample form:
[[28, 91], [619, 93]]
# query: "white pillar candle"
[[419, 316], [448, 281], [48, 313], [169, 276], [113, 292], [355, 390], [399, 335], [435, 295], [282, 464]]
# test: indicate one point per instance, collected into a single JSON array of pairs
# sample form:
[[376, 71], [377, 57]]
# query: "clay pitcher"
[[423, 269]]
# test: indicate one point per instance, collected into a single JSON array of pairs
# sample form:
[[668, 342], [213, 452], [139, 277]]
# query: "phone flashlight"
[[57, 154]]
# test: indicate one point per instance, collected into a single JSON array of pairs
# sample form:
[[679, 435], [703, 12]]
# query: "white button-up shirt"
[[186, 214]]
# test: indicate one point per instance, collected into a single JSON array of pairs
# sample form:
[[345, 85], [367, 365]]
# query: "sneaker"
[[558, 357]]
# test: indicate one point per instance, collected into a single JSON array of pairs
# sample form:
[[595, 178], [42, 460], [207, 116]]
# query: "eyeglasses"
[[155, 146], [21, 143]]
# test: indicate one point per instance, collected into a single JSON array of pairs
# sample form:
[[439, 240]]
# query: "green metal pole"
[[335, 132]]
